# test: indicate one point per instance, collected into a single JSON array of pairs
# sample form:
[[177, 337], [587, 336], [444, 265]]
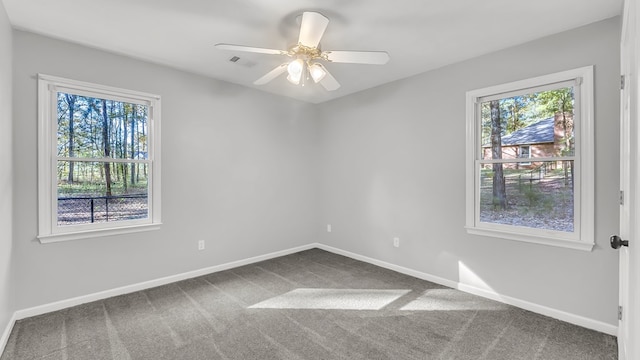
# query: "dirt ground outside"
[[541, 202], [81, 210]]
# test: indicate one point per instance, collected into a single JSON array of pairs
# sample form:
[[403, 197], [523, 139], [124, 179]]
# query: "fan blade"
[[250, 49], [357, 57], [272, 74], [329, 82], [312, 28]]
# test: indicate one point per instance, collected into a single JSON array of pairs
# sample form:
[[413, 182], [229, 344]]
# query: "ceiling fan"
[[307, 55]]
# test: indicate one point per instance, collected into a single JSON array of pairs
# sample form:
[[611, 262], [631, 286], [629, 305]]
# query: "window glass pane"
[[88, 199], [543, 121], [95, 128], [539, 195]]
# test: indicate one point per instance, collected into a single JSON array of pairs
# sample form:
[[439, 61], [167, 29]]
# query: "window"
[[98, 160], [530, 160], [525, 153]]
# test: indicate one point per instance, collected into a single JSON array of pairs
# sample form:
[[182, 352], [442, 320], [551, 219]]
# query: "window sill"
[[534, 239], [78, 235]]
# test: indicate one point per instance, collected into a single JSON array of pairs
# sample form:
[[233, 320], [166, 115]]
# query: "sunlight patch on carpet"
[[333, 299], [450, 299]]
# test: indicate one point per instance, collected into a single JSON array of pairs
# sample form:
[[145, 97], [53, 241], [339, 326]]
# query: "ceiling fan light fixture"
[[295, 80], [295, 68], [317, 72]]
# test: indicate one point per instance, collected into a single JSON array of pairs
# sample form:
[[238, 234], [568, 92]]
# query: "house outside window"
[[530, 160], [99, 160]]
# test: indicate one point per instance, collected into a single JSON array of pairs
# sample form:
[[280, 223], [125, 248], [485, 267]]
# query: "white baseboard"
[[7, 331], [489, 294], [63, 304], [390, 266], [544, 310]]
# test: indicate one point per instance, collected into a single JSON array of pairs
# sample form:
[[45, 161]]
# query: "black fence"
[[541, 173], [95, 209]]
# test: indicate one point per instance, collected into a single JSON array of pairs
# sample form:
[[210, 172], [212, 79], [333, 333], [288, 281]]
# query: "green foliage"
[[94, 128], [538, 202], [533, 195], [88, 127], [517, 112], [87, 188], [554, 101]]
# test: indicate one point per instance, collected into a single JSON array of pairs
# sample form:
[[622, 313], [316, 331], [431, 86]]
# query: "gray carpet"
[[309, 305]]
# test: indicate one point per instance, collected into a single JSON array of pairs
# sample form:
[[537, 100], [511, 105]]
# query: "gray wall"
[[6, 160], [253, 173], [239, 169], [394, 165]]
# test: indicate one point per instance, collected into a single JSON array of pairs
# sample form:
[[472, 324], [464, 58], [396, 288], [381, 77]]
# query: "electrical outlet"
[[396, 241], [200, 244], [328, 227]]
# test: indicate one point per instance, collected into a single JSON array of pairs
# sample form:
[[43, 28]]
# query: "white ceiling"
[[419, 35]]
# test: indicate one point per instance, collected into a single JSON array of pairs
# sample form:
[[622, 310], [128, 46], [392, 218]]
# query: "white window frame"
[[48, 229], [528, 154], [583, 236]]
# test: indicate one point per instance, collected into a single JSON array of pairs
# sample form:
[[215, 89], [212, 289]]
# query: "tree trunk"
[[125, 137], [572, 174], [565, 128], [144, 123], [71, 102], [499, 190], [133, 148], [567, 144], [107, 146]]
